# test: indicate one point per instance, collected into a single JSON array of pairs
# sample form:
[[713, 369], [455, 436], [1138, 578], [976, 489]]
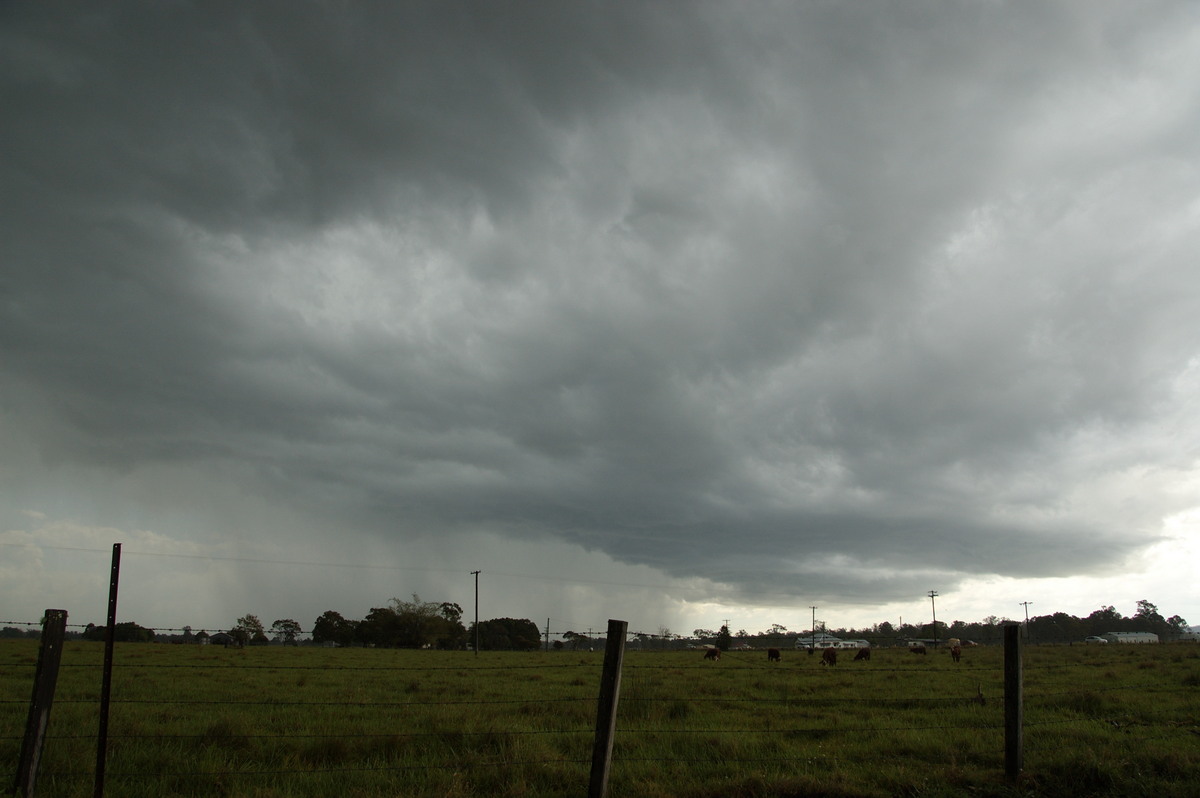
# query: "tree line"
[[1058, 627], [425, 624], [399, 624]]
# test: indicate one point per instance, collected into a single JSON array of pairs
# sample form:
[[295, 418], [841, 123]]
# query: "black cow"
[[917, 649], [772, 655], [829, 657], [863, 654], [712, 653]]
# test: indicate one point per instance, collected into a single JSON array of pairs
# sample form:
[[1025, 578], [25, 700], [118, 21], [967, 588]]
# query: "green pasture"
[[307, 721]]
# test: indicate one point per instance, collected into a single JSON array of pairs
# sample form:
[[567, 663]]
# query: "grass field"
[[272, 722]]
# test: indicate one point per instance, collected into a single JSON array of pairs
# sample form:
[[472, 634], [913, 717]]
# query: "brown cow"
[[772, 655], [917, 649], [863, 654], [955, 653], [712, 653], [829, 657]]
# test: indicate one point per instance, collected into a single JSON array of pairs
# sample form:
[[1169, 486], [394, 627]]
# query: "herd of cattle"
[[829, 655]]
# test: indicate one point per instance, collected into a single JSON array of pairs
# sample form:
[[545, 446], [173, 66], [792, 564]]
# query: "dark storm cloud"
[[857, 293]]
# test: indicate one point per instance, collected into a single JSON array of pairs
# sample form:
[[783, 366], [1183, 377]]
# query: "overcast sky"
[[676, 313]]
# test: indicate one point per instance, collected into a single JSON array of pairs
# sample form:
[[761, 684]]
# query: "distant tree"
[[248, 629], [1148, 613], [507, 634], [11, 632], [450, 634], [724, 639], [331, 627], [1057, 628], [574, 638], [286, 630], [451, 612], [127, 632], [378, 628], [703, 634], [414, 624], [1106, 613]]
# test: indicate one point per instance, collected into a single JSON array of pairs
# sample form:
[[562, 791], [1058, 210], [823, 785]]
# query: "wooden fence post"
[[45, 677], [1014, 758], [606, 710]]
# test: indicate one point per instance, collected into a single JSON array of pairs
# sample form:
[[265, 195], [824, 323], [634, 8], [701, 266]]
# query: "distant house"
[[853, 644], [819, 640], [1130, 637], [222, 639], [202, 638]]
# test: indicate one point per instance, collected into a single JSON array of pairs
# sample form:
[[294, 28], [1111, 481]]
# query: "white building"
[[818, 640], [1130, 637]]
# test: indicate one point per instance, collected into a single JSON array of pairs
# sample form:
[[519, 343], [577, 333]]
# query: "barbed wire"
[[1151, 688], [458, 764], [237, 666], [326, 736], [823, 730], [372, 704], [805, 700]]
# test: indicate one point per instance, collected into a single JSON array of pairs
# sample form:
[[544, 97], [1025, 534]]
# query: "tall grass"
[[199, 721]]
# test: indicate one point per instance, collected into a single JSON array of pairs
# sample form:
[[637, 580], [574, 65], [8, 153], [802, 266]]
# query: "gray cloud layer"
[[833, 294]]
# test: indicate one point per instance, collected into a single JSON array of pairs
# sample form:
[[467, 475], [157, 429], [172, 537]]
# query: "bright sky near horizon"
[[674, 314]]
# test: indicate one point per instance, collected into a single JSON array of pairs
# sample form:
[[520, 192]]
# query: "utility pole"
[[1026, 603], [547, 634], [476, 612], [813, 647], [932, 596]]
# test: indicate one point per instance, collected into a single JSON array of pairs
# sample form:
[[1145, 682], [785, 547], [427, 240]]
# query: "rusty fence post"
[[606, 710], [45, 677]]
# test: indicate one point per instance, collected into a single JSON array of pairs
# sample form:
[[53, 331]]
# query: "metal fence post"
[[106, 678], [54, 627], [606, 710], [1014, 758]]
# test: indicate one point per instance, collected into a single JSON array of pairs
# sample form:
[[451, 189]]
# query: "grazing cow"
[[955, 653], [917, 649], [712, 653], [864, 654], [829, 657], [772, 655]]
